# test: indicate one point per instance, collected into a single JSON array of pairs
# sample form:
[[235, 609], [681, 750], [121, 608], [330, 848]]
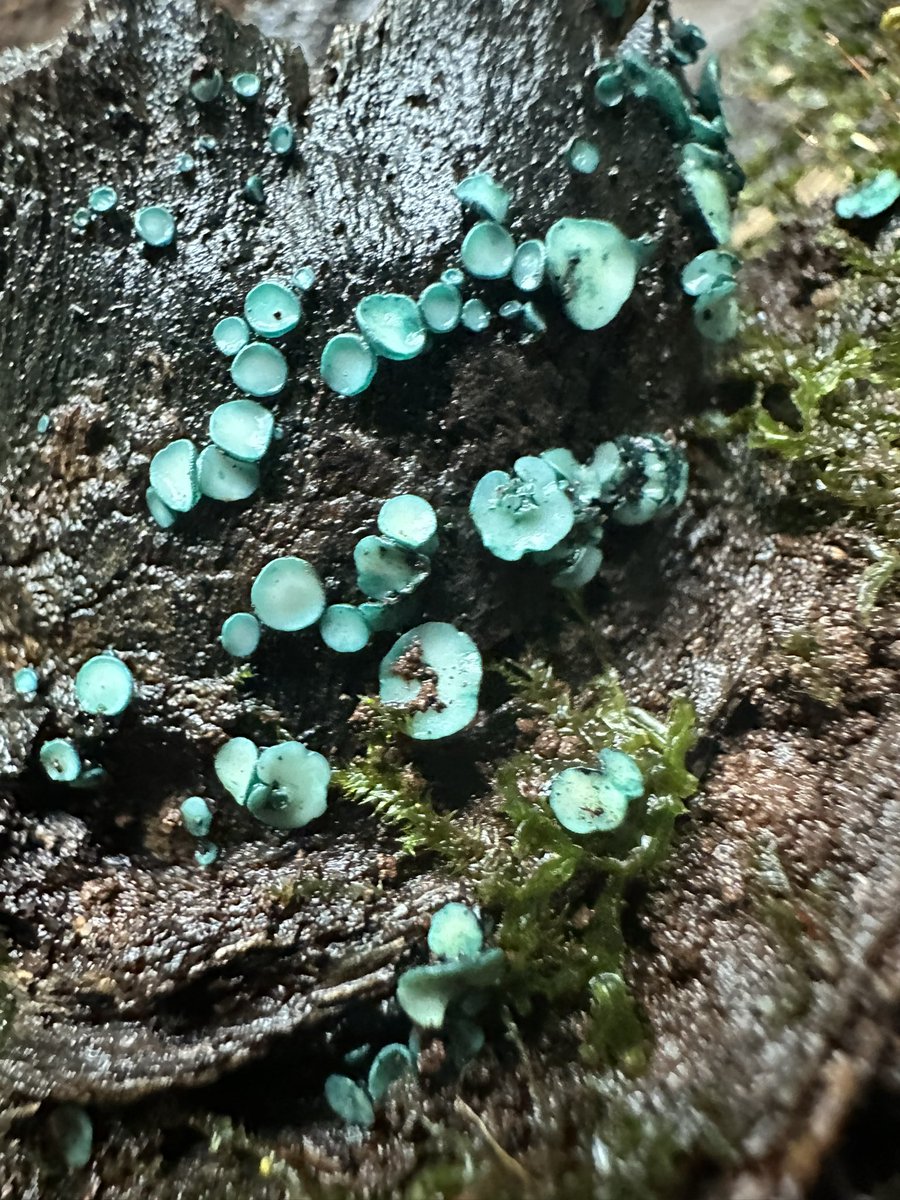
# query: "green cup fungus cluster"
[[433, 672], [591, 800], [869, 199], [553, 509], [356, 1103], [104, 687], [283, 786], [709, 279]]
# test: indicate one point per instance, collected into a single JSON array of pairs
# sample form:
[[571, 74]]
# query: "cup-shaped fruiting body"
[[196, 816], [488, 251], [392, 1063], [708, 269], [521, 513], [348, 364], [345, 629], [71, 1134], [25, 682], [60, 760], [389, 616], [103, 199], [155, 225], [240, 635], [582, 565], [292, 788], [206, 86], [583, 156], [647, 81], [410, 521], [455, 932], [650, 480], [224, 478], [424, 993], [703, 171], [231, 335], [441, 306], [510, 309], [532, 319], [349, 1101], [281, 138], [173, 475], [246, 85], [185, 164], [385, 569], [288, 594], [716, 313], [206, 854], [623, 771], [585, 800], [709, 94], [871, 198], [434, 671], [159, 510], [483, 195], [259, 370], [303, 279], [610, 87], [392, 325], [235, 766], [687, 42], [593, 267], [104, 686], [529, 265], [272, 310], [254, 191], [242, 429], [454, 277]]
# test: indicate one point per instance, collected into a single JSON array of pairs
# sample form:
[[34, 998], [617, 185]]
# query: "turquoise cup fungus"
[[230, 335], [253, 190], [349, 1101], [159, 510], [196, 816], [104, 686], [623, 772], [586, 801], [82, 217], [60, 760], [185, 164], [410, 521], [483, 195], [702, 171], [610, 85], [583, 156], [529, 265], [392, 325], [455, 932], [593, 266], [488, 251], [103, 199], [242, 429], [240, 635], [454, 277], [435, 671], [259, 370], [272, 310], [155, 225], [870, 199], [708, 269], [303, 279], [235, 767], [25, 682], [288, 595], [344, 629], [71, 1133], [521, 513], [510, 310], [173, 475], [207, 87], [391, 1064], [206, 854], [224, 478], [441, 306], [246, 85], [385, 569], [292, 787], [348, 364], [475, 316], [281, 139], [716, 313], [425, 993]]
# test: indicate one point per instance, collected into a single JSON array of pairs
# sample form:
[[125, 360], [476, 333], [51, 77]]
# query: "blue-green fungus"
[[610, 87], [389, 616], [196, 816], [455, 932], [348, 364], [702, 171], [454, 277], [649, 82], [288, 594], [303, 279], [410, 521], [43, 423], [687, 42], [272, 310], [259, 370], [345, 629], [281, 138], [482, 194], [231, 335], [707, 269], [206, 86], [870, 199], [521, 513], [235, 766], [72, 1134], [240, 635], [593, 267], [488, 251], [532, 319], [529, 265], [434, 670], [82, 217], [392, 325], [173, 475], [159, 510], [392, 1063], [242, 429], [26, 682], [185, 164], [246, 85], [385, 569], [510, 309], [709, 92], [424, 993], [60, 760], [206, 854], [583, 156], [358, 1055], [292, 788], [587, 801], [349, 1101], [441, 305], [224, 478], [155, 225], [716, 313], [207, 143], [644, 476], [104, 686], [475, 316], [583, 565], [103, 199], [253, 190], [622, 771]]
